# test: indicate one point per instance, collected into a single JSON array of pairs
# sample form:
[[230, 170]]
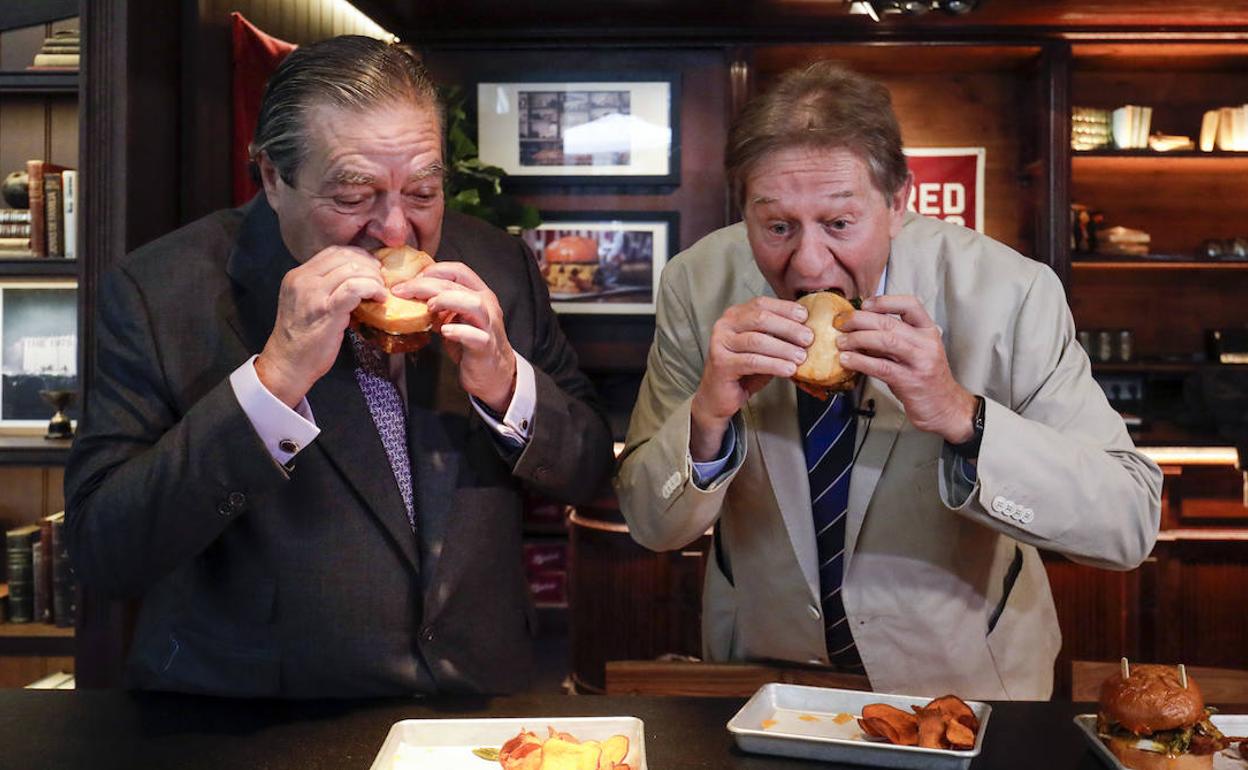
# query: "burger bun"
[[1151, 699], [1139, 759], [396, 324], [822, 373]]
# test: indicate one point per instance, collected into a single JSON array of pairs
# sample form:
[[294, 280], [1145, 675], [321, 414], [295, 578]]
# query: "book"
[[69, 60], [64, 595], [69, 208], [1209, 130], [61, 680], [35, 170], [19, 546], [15, 230], [54, 214], [41, 563], [15, 215], [14, 245]]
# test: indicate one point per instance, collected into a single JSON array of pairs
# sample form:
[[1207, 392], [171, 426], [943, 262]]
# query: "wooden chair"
[[716, 680], [1219, 685]]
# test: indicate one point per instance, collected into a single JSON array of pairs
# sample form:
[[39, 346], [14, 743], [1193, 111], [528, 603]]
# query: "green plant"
[[473, 187]]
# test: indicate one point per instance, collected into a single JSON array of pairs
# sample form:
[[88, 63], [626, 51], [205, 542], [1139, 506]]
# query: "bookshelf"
[[39, 119]]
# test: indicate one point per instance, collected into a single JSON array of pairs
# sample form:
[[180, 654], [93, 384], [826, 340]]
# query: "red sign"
[[948, 184]]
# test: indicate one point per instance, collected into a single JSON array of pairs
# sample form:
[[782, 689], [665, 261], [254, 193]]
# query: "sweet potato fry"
[[955, 710], [892, 723], [931, 728], [959, 735]]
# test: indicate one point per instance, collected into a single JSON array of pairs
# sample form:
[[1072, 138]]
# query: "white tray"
[[819, 737], [1229, 759], [447, 744]]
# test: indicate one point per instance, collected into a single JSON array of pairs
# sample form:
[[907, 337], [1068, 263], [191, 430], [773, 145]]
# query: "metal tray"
[[447, 744], [804, 727], [1229, 759]]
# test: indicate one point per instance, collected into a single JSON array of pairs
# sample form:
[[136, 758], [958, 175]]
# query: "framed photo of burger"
[[38, 352], [578, 131], [602, 261]]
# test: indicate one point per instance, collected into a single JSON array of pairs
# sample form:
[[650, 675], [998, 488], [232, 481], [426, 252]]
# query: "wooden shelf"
[[1153, 264], [38, 83], [33, 450], [35, 631], [1146, 367], [1155, 155], [38, 266]]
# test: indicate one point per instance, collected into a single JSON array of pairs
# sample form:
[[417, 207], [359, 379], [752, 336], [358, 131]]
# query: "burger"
[[1150, 721], [822, 374], [571, 264], [396, 325]]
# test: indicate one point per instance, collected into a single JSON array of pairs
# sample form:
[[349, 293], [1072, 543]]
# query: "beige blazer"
[[944, 588]]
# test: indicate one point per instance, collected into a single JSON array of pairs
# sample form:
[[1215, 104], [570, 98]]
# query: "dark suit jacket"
[[258, 581]]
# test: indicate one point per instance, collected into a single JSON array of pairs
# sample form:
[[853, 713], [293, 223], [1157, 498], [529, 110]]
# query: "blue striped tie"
[[828, 430]]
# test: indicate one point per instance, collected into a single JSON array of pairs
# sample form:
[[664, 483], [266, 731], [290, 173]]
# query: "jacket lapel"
[[348, 436]]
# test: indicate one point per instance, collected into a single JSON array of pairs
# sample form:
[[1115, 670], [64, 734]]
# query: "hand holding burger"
[[1150, 721], [396, 325]]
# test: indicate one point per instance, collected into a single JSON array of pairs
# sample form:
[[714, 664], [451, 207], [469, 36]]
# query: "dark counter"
[[101, 729]]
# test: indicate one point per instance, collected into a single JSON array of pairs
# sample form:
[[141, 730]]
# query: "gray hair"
[[822, 107], [351, 72]]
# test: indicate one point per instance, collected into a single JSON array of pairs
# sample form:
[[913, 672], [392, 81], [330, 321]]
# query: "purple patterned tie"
[[389, 415]]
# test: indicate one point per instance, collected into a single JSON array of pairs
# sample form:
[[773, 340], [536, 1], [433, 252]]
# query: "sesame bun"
[[572, 248]]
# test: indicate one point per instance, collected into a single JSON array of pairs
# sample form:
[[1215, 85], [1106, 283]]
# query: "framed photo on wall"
[[572, 130], [603, 261], [38, 349]]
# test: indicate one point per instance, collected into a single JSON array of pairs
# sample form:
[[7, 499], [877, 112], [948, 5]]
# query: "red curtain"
[[256, 56]]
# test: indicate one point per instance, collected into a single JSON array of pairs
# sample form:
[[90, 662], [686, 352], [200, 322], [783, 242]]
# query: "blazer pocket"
[[1011, 577], [196, 662], [719, 608]]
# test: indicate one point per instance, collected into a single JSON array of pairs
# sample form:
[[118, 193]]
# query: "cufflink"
[[288, 446]]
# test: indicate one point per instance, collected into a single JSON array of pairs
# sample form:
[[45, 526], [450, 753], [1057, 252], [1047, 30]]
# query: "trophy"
[[59, 426]]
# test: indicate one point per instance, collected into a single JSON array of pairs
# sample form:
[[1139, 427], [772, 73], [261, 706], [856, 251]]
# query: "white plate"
[[1229, 724], [804, 727], [447, 744]]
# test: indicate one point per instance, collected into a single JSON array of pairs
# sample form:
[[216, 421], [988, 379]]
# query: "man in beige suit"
[[978, 433]]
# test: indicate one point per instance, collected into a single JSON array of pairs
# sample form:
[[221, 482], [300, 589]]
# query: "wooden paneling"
[[30, 493], [1203, 604], [1098, 611], [1168, 310], [987, 83]]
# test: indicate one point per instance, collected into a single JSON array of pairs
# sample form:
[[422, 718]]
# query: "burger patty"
[[1200, 738]]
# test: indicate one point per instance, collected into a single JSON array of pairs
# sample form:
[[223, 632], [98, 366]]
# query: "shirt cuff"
[[706, 473], [283, 430], [517, 424], [961, 477]]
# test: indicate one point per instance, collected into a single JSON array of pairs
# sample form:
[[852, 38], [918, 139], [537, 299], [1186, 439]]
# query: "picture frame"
[[604, 262], [576, 129], [38, 350]]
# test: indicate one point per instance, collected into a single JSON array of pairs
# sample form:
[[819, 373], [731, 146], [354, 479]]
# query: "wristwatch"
[[969, 449]]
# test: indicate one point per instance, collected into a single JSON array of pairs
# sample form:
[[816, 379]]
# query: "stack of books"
[[14, 233], [1089, 129], [1130, 125], [1123, 242], [1225, 129], [40, 584], [59, 52], [51, 222]]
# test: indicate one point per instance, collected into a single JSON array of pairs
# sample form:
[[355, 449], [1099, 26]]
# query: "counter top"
[[103, 729]]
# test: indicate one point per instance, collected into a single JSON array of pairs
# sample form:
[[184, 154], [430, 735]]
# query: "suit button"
[[427, 634], [237, 500], [814, 611], [998, 504], [224, 508], [1027, 516]]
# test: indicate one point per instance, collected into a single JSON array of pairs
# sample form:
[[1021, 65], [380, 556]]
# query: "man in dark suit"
[[301, 515]]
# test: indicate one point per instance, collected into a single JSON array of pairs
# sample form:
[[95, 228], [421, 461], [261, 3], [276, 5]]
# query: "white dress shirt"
[[285, 431]]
